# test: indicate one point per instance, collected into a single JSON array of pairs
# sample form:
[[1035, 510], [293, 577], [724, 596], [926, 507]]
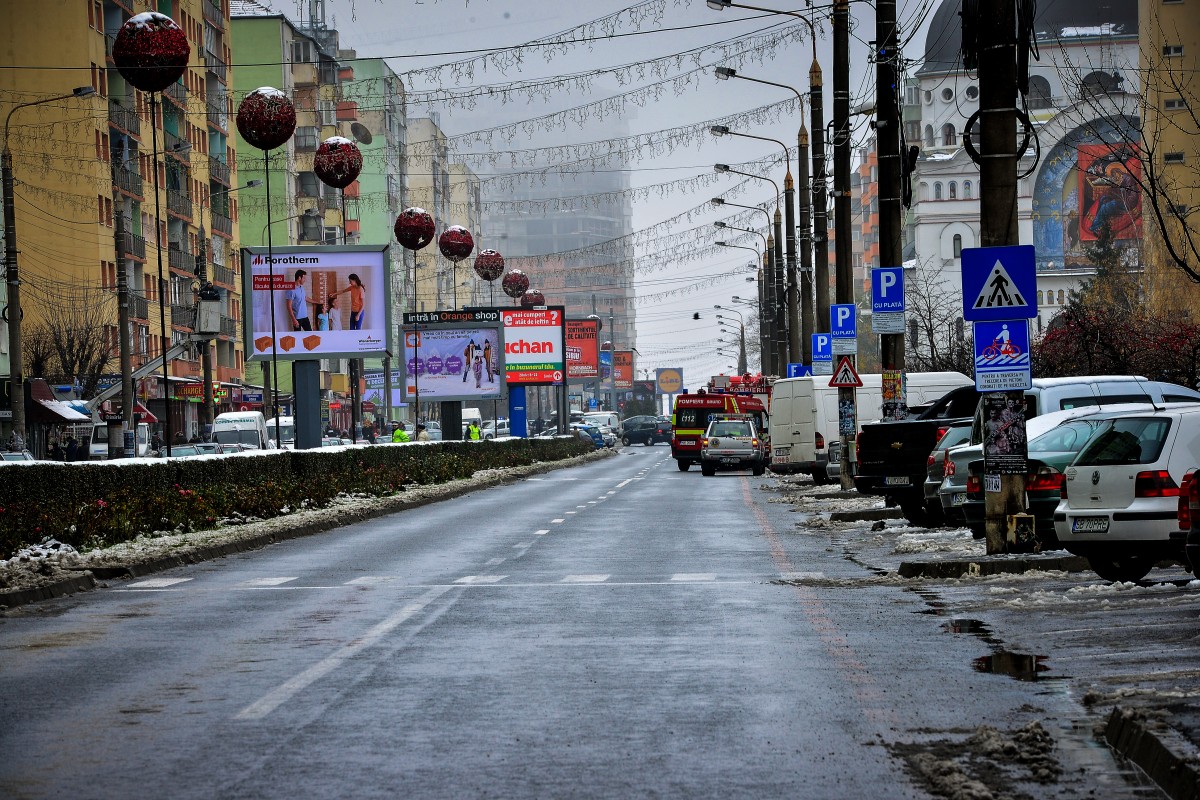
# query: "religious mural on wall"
[[1109, 177]]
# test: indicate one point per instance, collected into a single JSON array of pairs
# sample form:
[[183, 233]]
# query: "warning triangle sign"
[[999, 291], [845, 376]]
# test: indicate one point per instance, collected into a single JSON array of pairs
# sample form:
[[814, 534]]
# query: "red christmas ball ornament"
[[532, 298], [596, 318], [414, 228], [489, 265], [515, 283], [456, 243], [151, 51], [266, 118], [606, 345], [338, 162]]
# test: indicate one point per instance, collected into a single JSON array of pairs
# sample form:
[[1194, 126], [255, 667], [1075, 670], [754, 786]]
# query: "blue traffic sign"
[[887, 290], [843, 326], [822, 350], [800, 370], [1002, 360], [999, 283]]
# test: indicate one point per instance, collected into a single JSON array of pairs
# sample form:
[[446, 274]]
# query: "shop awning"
[[57, 412], [143, 414]]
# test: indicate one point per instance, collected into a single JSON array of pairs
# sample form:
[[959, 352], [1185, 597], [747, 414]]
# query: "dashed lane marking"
[[494, 562], [585, 579], [157, 583], [558, 521], [474, 579], [258, 583], [542, 532], [624, 483]]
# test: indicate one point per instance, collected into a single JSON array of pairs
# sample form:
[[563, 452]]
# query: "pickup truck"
[[731, 443], [892, 456]]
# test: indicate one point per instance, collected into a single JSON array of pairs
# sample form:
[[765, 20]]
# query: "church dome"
[[1066, 19]]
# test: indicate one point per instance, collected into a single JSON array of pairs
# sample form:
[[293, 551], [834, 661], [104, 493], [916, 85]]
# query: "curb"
[[1156, 752], [961, 568], [88, 577], [866, 515]]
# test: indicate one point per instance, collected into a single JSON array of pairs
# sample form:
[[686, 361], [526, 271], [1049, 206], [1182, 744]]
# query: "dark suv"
[[645, 430]]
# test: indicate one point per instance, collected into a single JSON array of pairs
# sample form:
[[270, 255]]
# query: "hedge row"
[[104, 503]]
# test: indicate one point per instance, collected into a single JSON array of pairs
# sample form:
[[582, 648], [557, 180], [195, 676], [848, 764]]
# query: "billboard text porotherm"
[[454, 355], [329, 302]]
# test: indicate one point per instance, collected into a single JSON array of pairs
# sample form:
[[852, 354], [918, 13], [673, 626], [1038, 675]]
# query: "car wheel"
[[1121, 568], [760, 468], [683, 464], [934, 516], [820, 478], [708, 470], [914, 512], [649, 441]]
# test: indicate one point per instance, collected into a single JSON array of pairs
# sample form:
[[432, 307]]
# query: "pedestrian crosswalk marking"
[[157, 583], [473, 579], [369, 580], [541, 532], [257, 582], [999, 291], [585, 579]]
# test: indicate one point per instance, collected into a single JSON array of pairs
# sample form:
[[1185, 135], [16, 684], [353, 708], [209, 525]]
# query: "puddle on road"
[[1020, 666]]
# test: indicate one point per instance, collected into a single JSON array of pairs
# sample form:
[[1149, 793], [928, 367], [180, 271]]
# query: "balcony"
[[181, 260], [130, 182], [179, 203], [124, 118], [135, 246], [218, 171], [178, 93], [347, 111], [138, 307], [218, 116], [222, 223], [215, 65], [175, 146], [182, 315], [228, 327], [212, 13], [223, 275]]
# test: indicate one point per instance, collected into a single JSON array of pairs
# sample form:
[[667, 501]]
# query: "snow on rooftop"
[[1105, 29]]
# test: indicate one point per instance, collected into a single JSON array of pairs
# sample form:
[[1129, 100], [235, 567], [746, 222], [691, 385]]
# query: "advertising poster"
[[374, 379], [1004, 445], [606, 360], [670, 380], [534, 351], [894, 394], [623, 369], [583, 349], [329, 302], [453, 363]]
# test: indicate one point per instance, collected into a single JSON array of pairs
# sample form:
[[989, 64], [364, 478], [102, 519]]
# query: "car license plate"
[[1089, 525], [896, 480], [686, 443], [958, 498], [781, 452], [728, 460]]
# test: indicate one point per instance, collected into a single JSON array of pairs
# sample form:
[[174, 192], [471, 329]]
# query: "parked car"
[[935, 468], [645, 430], [210, 448], [588, 432], [434, 429], [15, 456], [610, 436], [1119, 501], [492, 430]]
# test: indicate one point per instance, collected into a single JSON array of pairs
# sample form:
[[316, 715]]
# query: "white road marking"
[[558, 521], [277, 697], [541, 532], [369, 580], [581, 506], [585, 579], [570, 512], [494, 562], [473, 579], [591, 502], [612, 492], [623, 483], [523, 546], [693, 577], [801, 576], [256, 582], [157, 583]]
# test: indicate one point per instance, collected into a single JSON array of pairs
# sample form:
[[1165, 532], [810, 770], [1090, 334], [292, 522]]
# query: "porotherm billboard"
[[328, 302], [583, 349]]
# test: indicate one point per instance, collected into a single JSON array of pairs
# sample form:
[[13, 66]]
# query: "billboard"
[[623, 369], [534, 351], [329, 302], [670, 380], [583, 349], [453, 355], [374, 379]]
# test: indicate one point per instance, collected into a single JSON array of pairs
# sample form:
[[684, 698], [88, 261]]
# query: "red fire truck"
[[692, 414]]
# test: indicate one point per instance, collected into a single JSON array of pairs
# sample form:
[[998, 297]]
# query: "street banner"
[[534, 351], [583, 349], [623, 369], [328, 302]]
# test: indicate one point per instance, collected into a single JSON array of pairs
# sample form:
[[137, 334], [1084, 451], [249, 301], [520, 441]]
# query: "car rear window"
[[1136, 440], [954, 436], [730, 429], [1108, 399], [1065, 438]]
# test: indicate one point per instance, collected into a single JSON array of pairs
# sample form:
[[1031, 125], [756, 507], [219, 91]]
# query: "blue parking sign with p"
[[822, 354]]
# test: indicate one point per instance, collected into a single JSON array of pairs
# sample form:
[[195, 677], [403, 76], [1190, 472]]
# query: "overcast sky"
[[667, 334]]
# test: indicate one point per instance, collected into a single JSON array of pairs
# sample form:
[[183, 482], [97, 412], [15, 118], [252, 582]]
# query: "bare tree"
[[938, 340], [70, 342]]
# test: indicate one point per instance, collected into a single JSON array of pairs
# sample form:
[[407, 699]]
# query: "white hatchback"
[[1120, 497]]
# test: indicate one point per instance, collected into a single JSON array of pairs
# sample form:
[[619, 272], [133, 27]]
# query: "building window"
[[953, 190], [1099, 83], [1039, 297], [949, 137], [307, 138], [928, 96], [937, 191], [957, 244], [1173, 157], [929, 142], [947, 94], [966, 190], [972, 92], [1175, 104], [1172, 50], [1061, 297]]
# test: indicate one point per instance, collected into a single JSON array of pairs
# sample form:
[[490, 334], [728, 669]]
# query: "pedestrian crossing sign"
[[845, 376], [999, 283]]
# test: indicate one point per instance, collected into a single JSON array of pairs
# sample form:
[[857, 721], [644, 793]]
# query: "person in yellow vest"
[[400, 435], [473, 431]]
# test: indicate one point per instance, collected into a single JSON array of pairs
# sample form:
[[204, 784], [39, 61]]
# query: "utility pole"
[[779, 346], [791, 291], [998, 204], [820, 200], [768, 355], [806, 272], [15, 346], [120, 237], [206, 412], [887, 131], [841, 205]]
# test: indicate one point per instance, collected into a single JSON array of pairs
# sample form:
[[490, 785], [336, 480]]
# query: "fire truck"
[[692, 414]]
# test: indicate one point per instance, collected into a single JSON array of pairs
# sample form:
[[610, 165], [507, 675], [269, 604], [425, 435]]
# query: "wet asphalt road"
[[615, 630]]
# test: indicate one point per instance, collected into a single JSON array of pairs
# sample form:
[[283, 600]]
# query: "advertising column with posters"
[[583, 349], [623, 369], [329, 302], [453, 355], [534, 351]]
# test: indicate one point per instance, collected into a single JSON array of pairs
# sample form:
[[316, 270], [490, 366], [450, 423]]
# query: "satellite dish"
[[360, 132]]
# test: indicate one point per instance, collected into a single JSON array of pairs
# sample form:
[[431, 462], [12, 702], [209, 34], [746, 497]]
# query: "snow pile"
[[959, 541]]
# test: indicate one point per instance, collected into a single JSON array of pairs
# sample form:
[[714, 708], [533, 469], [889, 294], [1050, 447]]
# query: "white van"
[[286, 435], [98, 447], [244, 428], [804, 414], [599, 418]]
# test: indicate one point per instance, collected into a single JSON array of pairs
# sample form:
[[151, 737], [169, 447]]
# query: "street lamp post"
[[788, 295], [742, 367], [16, 370], [206, 411]]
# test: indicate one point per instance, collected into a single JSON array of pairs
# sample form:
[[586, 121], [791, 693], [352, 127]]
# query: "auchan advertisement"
[[583, 349], [623, 369], [534, 348]]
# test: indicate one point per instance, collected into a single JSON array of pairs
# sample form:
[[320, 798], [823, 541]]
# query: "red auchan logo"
[[522, 346]]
